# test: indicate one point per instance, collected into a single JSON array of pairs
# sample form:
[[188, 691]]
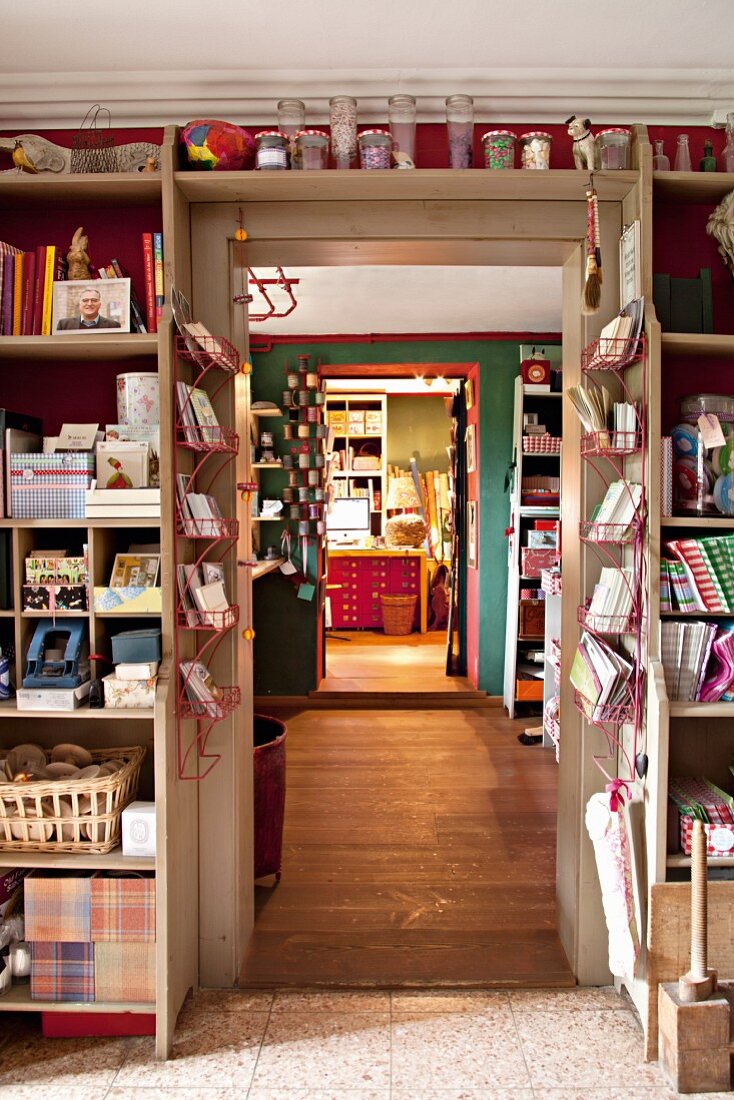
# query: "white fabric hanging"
[[608, 834]]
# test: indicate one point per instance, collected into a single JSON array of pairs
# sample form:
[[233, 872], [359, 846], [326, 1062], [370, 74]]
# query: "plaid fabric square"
[[124, 971], [62, 972], [123, 910], [57, 909]]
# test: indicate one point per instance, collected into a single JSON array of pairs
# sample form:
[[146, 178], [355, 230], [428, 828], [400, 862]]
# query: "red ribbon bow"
[[614, 790]]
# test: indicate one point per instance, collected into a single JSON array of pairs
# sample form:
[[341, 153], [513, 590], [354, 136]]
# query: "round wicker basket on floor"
[[398, 613]]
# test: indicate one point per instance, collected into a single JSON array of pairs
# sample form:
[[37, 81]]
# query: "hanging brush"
[[591, 299]]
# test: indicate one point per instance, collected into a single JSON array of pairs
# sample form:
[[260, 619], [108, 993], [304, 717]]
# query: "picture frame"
[[135, 570], [543, 540], [73, 303], [469, 393], [471, 534], [630, 284], [470, 441]]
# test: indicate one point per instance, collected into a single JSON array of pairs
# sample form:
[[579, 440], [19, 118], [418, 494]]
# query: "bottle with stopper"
[[660, 163], [683, 155]]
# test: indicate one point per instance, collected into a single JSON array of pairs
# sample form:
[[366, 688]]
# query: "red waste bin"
[[269, 784]]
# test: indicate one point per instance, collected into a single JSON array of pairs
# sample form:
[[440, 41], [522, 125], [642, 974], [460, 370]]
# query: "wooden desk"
[[359, 577]]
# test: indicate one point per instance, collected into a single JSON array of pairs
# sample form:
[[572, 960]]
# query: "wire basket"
[[32, 818], [398, 613], [93, 149]]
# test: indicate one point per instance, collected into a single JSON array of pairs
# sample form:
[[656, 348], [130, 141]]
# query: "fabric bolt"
[[123, 910], [62, 972], [57, 909], [124, 972]]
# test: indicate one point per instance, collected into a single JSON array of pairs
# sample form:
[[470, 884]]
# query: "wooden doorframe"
[[450, 230], [469, 613]]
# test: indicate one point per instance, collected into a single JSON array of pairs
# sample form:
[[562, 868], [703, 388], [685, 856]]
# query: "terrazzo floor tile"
[[589, 1049], [365, 1003], [137, 1093], [448, 1001], [626, 1092], [61, 1064], [232, 1000], [323, 1050], [219, 1052], [47, 1092], [462, 1094], [477, 1050], [569, 1000], [277, 1093]]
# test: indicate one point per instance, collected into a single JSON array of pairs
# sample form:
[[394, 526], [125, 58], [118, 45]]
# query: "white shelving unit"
[[349, 443]]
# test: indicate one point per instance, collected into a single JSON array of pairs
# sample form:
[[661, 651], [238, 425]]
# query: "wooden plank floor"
[[419, 850], [366, 660]]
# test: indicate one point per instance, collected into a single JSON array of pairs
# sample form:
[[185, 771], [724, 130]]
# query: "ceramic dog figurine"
[[584, 146]]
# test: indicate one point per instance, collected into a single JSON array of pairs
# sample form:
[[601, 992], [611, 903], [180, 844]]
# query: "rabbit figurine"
[[77, 256]]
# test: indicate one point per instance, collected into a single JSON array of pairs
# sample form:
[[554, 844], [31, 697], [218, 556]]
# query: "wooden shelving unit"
[[72, 348], [370, 481]]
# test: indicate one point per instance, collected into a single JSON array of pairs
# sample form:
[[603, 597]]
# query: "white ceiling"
[[371, 299], [159, 61]]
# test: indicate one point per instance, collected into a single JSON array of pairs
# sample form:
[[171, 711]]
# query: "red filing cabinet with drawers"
[[355, 584]]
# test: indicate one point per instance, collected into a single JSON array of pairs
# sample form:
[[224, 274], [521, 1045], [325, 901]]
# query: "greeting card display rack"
[[201, 455], [612, 455], [304, 496]]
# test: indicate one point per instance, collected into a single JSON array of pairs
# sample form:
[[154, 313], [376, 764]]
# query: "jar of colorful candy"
[[313, 149], [614, 147], [499, 149], [535, 149], [460, 126], [375, 149], [272, 150], [401, 114], [291, 119], [343, 123]]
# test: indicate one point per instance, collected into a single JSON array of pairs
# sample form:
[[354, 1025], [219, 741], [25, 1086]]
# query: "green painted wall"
[[286, 628], [418, 427]]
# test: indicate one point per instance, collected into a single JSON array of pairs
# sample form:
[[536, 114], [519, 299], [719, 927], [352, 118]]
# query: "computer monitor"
[[348, 519]]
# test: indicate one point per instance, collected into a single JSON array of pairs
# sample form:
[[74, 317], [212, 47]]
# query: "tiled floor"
[[525, 1045]]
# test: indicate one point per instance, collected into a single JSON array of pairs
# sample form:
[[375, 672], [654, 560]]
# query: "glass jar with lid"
[[499, 149], [291, 119], [535, 150], [375, 149], [614, 147], [313, 149], [401, 114], [272, 150], [460, 127], [343, 124]]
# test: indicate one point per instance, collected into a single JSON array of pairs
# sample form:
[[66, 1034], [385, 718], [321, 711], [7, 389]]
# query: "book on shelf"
[[158, 274], [26, 283], [149, 282], [196, 411], [7, 251], [201, 592], [137, 316]]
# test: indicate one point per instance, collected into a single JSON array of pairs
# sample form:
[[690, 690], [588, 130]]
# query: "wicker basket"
[[398, 613], [96, 808]]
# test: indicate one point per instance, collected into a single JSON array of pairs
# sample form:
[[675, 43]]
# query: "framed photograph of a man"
[[102, 305]]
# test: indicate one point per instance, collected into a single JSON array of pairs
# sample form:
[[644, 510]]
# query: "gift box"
[[128, 694], [123, 910], [136, 645], [124, 972], [50, 486], [666, 476], [132, 599], [57, 908], [139, 829], [54, 597], [695, 792], [534, 560], [62, 971], [532, 618]]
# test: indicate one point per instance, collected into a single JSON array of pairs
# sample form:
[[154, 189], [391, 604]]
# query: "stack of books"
[[611, 604], [602, 678]]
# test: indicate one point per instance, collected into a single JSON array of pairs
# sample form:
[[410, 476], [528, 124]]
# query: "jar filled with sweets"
[[460, 127], [703, 470], [499, 149], [343, 125], [614, 147], [375, 149], [291, 119], [535, 149], [272, 150], [313, 149]]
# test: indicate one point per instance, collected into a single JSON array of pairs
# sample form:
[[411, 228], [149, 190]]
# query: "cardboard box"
[[123, 909], [52, 698], [62, 971], [57, 907], [129, 600], [54, 597], [534, 561], [124, 972], [532, 618], [128, 694], [132, 646], [138, 829], [529, 691]]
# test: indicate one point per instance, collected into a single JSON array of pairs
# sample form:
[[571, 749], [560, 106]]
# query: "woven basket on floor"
[[398, 613]]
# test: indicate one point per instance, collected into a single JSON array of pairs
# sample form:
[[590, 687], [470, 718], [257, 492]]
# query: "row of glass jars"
[[293, 145]]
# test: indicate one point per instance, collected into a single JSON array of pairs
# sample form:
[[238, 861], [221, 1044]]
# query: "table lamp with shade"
[[406, 529]]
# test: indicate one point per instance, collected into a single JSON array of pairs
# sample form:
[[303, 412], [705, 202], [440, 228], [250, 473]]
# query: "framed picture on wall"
[[102, 305], [471, 533], [469, 393], [470, 439]]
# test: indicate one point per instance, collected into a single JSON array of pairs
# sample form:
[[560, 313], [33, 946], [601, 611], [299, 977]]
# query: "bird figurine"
[[21, 160], [151, 165], [721, 226]]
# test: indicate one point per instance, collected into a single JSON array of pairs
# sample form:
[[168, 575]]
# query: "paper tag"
[[287, 567], [77, 437], [710, 428], [306, 592]]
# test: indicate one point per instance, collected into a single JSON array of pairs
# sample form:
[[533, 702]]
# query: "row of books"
[[601, 676], [698, 661], [27, 280], [698, 575], [195, 505], [611, 603]]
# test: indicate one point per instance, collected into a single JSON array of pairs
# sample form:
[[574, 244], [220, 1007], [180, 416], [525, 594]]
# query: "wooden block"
[[694, 1041]]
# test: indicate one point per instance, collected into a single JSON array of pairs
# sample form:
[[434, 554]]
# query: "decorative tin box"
[[138, 400], [534, 561], [128, 694], [50, 486]]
